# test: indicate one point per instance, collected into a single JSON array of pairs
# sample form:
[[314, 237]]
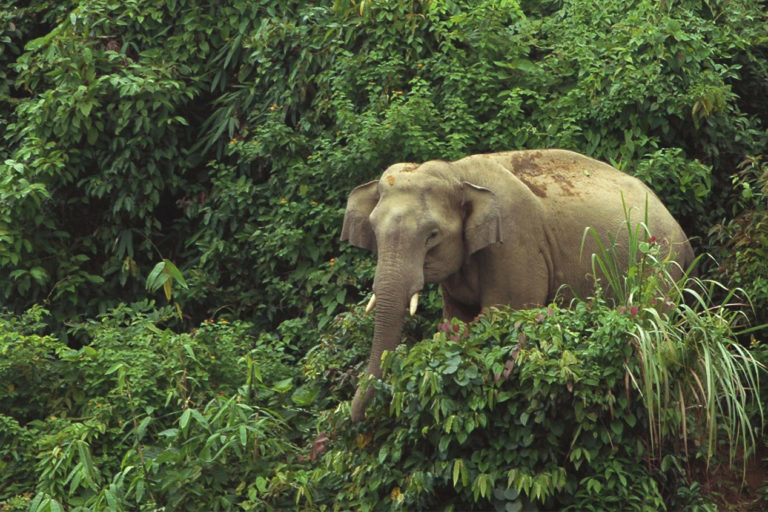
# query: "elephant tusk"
[[414, 303], [371, 304]]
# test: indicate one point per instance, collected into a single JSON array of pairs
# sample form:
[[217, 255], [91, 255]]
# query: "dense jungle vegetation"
[[181, 328]]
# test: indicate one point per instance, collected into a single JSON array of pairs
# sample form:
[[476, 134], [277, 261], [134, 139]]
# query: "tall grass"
[[698, 383]]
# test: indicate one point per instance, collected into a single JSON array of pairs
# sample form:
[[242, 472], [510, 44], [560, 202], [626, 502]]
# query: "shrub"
[[743, 240], [523, 410], [141, 416], [549, 408], [681, 329], [684, 184]]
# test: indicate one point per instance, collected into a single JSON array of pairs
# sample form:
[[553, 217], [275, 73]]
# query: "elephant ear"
[[357, 228], [482, 225]]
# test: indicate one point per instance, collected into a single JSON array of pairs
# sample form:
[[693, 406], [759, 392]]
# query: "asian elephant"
[[493, 229]]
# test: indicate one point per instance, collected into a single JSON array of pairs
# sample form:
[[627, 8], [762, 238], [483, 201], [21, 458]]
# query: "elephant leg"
[[455, 309]]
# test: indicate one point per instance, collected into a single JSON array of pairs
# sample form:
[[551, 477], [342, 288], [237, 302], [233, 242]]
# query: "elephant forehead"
[[394, 219], [402, 204], [400, 181], [413, 200]]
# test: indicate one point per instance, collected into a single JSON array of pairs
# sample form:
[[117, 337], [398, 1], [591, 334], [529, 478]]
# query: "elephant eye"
[[431, 237]]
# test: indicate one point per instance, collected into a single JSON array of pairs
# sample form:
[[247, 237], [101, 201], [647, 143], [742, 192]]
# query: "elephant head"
[[422, 226]]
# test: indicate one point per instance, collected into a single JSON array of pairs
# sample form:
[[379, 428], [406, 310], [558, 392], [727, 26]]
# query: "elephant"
[[492, 229]]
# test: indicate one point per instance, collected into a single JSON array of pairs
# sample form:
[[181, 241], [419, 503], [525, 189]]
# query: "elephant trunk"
[[394, 285]]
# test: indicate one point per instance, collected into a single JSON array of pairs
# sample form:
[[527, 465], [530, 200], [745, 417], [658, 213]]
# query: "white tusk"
[[414, 303], [371, 304]]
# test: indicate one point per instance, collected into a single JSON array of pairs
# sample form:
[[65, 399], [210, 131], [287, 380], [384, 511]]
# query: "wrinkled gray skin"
[[495, 229]]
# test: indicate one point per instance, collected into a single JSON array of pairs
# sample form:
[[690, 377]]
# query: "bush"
[[743, 240], [543, 408], [684, 184], [141, 416], [492, 414]]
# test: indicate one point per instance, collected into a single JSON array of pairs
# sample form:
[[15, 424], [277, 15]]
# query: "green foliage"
[[16, 460], [165, 274], [684, 184], [690, 358], [743, 240], [716, 380], [221, 139], [142, 417], [532, 407], [525, 410], [96, 142], [546, 409]]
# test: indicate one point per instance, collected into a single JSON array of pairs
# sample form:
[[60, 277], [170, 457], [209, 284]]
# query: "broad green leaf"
[[157, 277], [175, 273]]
